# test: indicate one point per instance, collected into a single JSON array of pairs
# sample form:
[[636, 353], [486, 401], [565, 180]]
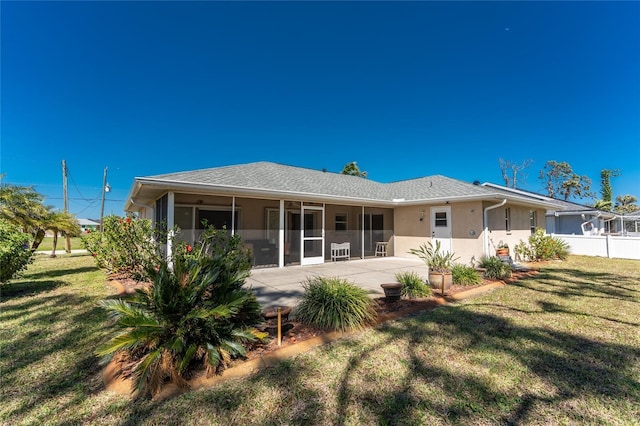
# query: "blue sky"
[[406, 89]]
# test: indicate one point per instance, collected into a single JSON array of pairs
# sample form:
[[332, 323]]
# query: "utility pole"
[[67, 241], [104, 189]]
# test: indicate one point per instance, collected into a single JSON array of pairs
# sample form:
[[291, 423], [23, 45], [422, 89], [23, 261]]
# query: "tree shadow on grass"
[[60, 272], [238, 405], [28, 288], [64, 328], [571, 366], [550, 307], [583, 284]]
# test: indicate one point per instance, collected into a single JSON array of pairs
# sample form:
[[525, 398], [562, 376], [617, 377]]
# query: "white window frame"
[[344, 222]]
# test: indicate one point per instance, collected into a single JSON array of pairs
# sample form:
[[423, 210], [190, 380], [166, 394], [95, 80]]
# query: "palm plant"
[[433, 256], [60, 222], [23, 206], [195, 314]]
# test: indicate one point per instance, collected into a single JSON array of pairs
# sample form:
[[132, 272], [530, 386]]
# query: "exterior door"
[[312, 235], [373, 225], [441, 227]]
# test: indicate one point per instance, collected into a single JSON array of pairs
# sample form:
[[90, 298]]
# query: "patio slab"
[[283, 286]]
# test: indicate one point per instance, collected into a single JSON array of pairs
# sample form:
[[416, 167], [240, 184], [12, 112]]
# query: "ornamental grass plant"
[[413, 285], [332, 303], [465, 275], [494, 268]]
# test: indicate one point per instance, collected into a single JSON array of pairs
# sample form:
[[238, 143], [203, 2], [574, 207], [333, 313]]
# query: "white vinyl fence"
[[603, 245]]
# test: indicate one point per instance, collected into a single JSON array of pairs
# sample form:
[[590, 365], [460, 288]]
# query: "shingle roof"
[[275, 177], [561, 204]]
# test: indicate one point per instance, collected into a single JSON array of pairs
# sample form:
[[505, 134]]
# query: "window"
[[533, 221], [341, 222], [507, 219], [441, 219]]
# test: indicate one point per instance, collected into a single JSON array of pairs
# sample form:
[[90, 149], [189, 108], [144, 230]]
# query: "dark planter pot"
[[271, 318], [392, 291], [440, 281], [271, 315]]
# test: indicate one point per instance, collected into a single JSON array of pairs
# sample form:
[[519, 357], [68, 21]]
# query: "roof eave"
[[206, 188]]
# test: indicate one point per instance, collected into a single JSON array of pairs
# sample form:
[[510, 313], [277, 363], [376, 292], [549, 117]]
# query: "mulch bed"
[[295, 332], [117, 380]]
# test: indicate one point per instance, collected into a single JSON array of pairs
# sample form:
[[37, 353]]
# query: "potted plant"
[[439, 264], [502, 249]]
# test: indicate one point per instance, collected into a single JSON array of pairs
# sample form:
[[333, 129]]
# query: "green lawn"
[[562, 347], [47, 244]]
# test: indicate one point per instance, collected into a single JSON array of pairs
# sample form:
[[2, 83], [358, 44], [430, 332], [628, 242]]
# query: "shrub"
[[334, 304], [413, 285], [15, 253], [541, 246], [464, 275], [495, 269], [195, 314], [126, 245], [433, 256]]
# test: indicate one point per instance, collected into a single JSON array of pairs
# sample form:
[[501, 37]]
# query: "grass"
[[47, 244], [562, 347]]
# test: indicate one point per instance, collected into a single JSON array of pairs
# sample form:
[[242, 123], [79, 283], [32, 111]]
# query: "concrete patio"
[[283, 286]]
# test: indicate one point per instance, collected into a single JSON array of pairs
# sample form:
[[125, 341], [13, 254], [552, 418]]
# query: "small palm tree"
[[60, 222], [23, 206], [195, 313]]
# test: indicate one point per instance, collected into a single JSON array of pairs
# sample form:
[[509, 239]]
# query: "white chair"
[[381, 248], [340, 251]]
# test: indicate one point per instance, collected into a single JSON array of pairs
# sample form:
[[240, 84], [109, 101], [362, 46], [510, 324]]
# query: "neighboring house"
[[291, 215], [88, 225], [569, 218]]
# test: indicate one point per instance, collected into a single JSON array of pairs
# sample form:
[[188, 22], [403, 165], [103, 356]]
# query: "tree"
[[626, 204], [510, 171], [14, 251], [561, 181], [23, 206], [353, 170], [606, 202], [61, 222]]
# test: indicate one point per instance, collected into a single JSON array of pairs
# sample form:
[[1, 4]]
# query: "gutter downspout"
[[486, 224]]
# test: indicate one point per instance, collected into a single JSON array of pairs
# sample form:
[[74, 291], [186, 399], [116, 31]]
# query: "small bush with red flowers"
[[127, 245]]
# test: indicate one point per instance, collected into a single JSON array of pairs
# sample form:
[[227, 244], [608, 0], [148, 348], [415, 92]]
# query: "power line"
[[76, 187], [83, 199]]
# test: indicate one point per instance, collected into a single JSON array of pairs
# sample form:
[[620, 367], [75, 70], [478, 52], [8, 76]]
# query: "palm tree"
[[60, 222], [23, 206], [626, 204]]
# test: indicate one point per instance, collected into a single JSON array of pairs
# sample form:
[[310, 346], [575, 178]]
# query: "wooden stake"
[[279, 327]]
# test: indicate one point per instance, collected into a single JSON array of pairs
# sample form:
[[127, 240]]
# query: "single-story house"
[[568, 218], [294, 216], [88, 225]]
